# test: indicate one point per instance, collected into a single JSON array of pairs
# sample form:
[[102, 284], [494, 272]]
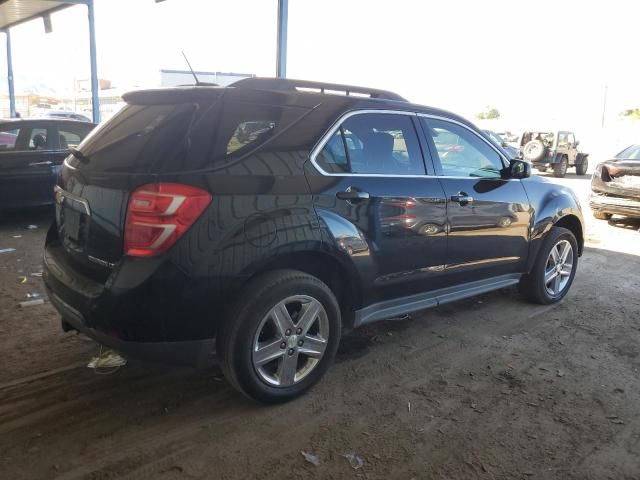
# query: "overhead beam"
[[281, 47]]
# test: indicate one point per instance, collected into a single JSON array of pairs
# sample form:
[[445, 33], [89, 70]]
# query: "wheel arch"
[[336, 274], [572, 223]]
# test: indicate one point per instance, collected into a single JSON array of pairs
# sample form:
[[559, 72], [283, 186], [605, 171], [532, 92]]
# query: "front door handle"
[[462, 198], [353, 194], [37, 164]]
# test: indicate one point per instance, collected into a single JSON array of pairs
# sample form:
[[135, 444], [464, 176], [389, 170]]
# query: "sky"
[[538, 62]]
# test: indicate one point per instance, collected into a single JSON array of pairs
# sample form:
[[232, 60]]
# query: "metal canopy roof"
[[15, 12]]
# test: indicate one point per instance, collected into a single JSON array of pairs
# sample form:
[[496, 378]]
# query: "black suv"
[[251, 224]]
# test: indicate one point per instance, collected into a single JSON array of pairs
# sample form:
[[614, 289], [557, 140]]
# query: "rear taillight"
[[158, 214]]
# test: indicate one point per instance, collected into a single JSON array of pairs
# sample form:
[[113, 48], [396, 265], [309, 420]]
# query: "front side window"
[[374, 143], [461, 152], [38, 139], [563, 140]]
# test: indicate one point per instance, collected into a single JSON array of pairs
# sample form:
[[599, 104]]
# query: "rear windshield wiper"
[[79, 155]]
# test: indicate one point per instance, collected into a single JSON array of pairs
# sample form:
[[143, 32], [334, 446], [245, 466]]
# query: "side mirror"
[[519, 169]]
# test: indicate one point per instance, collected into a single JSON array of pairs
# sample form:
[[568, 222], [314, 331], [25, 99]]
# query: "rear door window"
[[375, 143], [70, 136], [8, 137]]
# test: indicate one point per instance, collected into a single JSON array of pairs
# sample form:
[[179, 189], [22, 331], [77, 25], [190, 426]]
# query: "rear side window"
[[70, 136], [375, 143], [248, 133], [8, 137]]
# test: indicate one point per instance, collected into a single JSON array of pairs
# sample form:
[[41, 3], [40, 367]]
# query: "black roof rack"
[[286, 84]]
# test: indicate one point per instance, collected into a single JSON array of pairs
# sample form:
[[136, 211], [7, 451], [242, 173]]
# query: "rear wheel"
[[582, 168], [560, 168], [554, 269], [281, 336], [602, 215]]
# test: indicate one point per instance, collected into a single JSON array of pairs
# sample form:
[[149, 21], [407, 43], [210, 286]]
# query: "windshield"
[[630, 153]]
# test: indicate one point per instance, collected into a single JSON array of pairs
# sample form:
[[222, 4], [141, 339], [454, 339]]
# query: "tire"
[[560, 168], [251, 322], [602, 215], [534, 150], [541, 169], [582, 168], [533, 286]]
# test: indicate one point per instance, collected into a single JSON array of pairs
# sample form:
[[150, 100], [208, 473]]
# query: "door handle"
[[462, 198], [353, 194], [37, 164]]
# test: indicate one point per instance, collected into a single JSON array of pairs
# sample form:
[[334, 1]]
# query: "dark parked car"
[[512, 151], [555, 150], [31, 153], [187, 232], [615, 185]]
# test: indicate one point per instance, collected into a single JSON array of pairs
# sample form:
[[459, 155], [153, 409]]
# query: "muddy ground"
[[490, 387]]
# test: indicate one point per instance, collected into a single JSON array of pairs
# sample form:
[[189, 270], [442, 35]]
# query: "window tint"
[[461, 152], [333, 157], [70, 136], [8, 138], [249, 132], [374, 143]]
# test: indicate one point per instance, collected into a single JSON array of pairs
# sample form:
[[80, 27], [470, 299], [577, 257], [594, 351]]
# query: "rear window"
[[631, 153], [178, 137]]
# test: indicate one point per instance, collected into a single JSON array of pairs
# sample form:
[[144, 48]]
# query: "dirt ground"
[[488, 388]]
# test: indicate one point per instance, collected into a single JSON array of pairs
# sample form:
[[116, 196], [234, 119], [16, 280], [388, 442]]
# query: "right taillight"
[[158, 214]]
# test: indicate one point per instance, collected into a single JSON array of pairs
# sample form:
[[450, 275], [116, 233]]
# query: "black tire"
[[235, 342], [541, 169], [560, 168], [534, 151], [602, 215], [583, 167], [532, 286]]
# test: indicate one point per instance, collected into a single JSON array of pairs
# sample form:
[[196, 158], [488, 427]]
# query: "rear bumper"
[[615, 205], [197, 353]]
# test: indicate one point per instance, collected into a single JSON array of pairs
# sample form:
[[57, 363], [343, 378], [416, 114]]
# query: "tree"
[[489, 113], [631, 113]]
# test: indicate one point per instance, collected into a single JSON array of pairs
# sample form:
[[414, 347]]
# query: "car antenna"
[[191, 68]]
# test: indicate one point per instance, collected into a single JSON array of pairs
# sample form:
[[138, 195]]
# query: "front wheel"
[[554, 269], [281, 336]]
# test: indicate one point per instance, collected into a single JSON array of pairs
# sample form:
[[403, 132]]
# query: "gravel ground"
[[491, 387]]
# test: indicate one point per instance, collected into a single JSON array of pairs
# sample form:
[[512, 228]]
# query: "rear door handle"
[[353, 194], [37, 164], [462, 198]]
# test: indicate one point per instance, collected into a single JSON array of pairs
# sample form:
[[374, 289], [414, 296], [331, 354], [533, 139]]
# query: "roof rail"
[[286, 84]]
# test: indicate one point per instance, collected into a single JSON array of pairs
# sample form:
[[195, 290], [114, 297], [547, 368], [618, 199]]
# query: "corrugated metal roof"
[[14, 12]]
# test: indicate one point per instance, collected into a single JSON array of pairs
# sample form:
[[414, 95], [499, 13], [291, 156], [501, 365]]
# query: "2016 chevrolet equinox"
[[252, 224]]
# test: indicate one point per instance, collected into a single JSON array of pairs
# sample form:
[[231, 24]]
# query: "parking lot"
[[490, 387]]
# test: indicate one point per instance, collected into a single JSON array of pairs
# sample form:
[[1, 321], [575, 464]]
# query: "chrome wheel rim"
[[558, 269], [290, 341]]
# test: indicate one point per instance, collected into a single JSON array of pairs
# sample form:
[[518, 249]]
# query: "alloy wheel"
[[558, 269], [290, 341]]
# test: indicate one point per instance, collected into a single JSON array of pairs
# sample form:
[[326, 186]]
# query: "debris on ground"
[[7, 250], [17, 236], [36, 274], [310, 457], [31, 227], [354, 460], [22, 279], [560, 373], [31, 303], [33, 294], [107, 359]]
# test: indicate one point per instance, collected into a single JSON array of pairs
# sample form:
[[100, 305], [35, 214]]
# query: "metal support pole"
[[95, 98], [281, 53], [12, 92]]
